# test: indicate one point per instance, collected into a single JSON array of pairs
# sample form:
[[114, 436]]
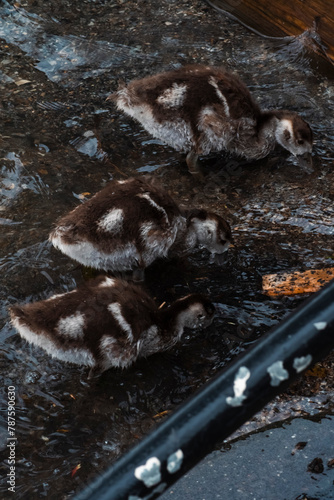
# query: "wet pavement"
[[61, 142], [293, 462]]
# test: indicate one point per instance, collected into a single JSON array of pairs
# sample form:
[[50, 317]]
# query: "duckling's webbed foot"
[[193, 163]]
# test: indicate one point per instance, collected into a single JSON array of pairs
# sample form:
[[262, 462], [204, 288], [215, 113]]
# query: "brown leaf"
[[22, 82]]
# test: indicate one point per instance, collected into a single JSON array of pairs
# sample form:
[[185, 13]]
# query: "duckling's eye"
[[200, 316], [300, 142]]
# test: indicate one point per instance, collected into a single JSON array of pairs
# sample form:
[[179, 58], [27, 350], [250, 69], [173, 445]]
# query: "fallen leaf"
[[22, 82], [161, 414], [82, 196], [76, 468], [296, 282], [299, 446]]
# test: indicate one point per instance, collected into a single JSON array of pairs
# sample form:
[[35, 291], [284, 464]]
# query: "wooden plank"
[[284, 17], [297, 282]]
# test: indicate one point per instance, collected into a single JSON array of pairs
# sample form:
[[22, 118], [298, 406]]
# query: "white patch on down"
[[177, 133], [321, 325], [150, 472], [239, 387], [277, 373], [206, 111], [213, 82], [147, 197], [79, 356], [173, 97], [139, 345], [112, 355], [107, 342], [157, 240], [107, 282], [72, 326], [150, 342], [112, 221], [217, 131], [285, 124], [115, 309], [145, 230], [174, 461], [122, 258], [53, 297], [300, 364]]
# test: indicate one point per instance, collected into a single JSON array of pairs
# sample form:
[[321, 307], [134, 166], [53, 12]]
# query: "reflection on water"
[[37, 256], [4, 78], [253, 314], [317, 216], [11, 178], [63, 59], [60, 143], [14, 179], [89, 145]]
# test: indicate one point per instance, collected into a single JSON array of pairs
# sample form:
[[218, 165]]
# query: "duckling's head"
[[212, 232], [194, 311], [293, 133]]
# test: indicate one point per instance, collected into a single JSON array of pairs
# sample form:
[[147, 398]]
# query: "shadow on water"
[[61, 142]]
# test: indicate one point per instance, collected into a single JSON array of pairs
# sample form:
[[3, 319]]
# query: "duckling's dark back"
[[203, 86], [90, 305], [137, 203]]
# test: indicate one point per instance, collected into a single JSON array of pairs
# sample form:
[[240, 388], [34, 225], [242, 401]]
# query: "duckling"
[[130, 223], [108, 323], [201, 109]]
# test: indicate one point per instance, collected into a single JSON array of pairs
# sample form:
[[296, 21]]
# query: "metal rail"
[[222, 405]]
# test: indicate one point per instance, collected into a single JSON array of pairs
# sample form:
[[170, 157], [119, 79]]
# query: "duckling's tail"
[[17, 313], [19, 318], [114, 95]]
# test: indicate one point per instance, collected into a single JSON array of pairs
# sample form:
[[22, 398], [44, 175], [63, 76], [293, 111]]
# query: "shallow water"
[[61, 142]]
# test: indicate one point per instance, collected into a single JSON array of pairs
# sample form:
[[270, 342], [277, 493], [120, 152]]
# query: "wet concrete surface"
[[61, 142], [293, 462]]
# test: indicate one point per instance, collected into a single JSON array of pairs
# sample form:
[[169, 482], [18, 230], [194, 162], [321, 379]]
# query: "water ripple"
[[65, 59]]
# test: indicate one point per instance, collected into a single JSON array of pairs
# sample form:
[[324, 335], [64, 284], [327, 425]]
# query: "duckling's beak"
[[305, 160]]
